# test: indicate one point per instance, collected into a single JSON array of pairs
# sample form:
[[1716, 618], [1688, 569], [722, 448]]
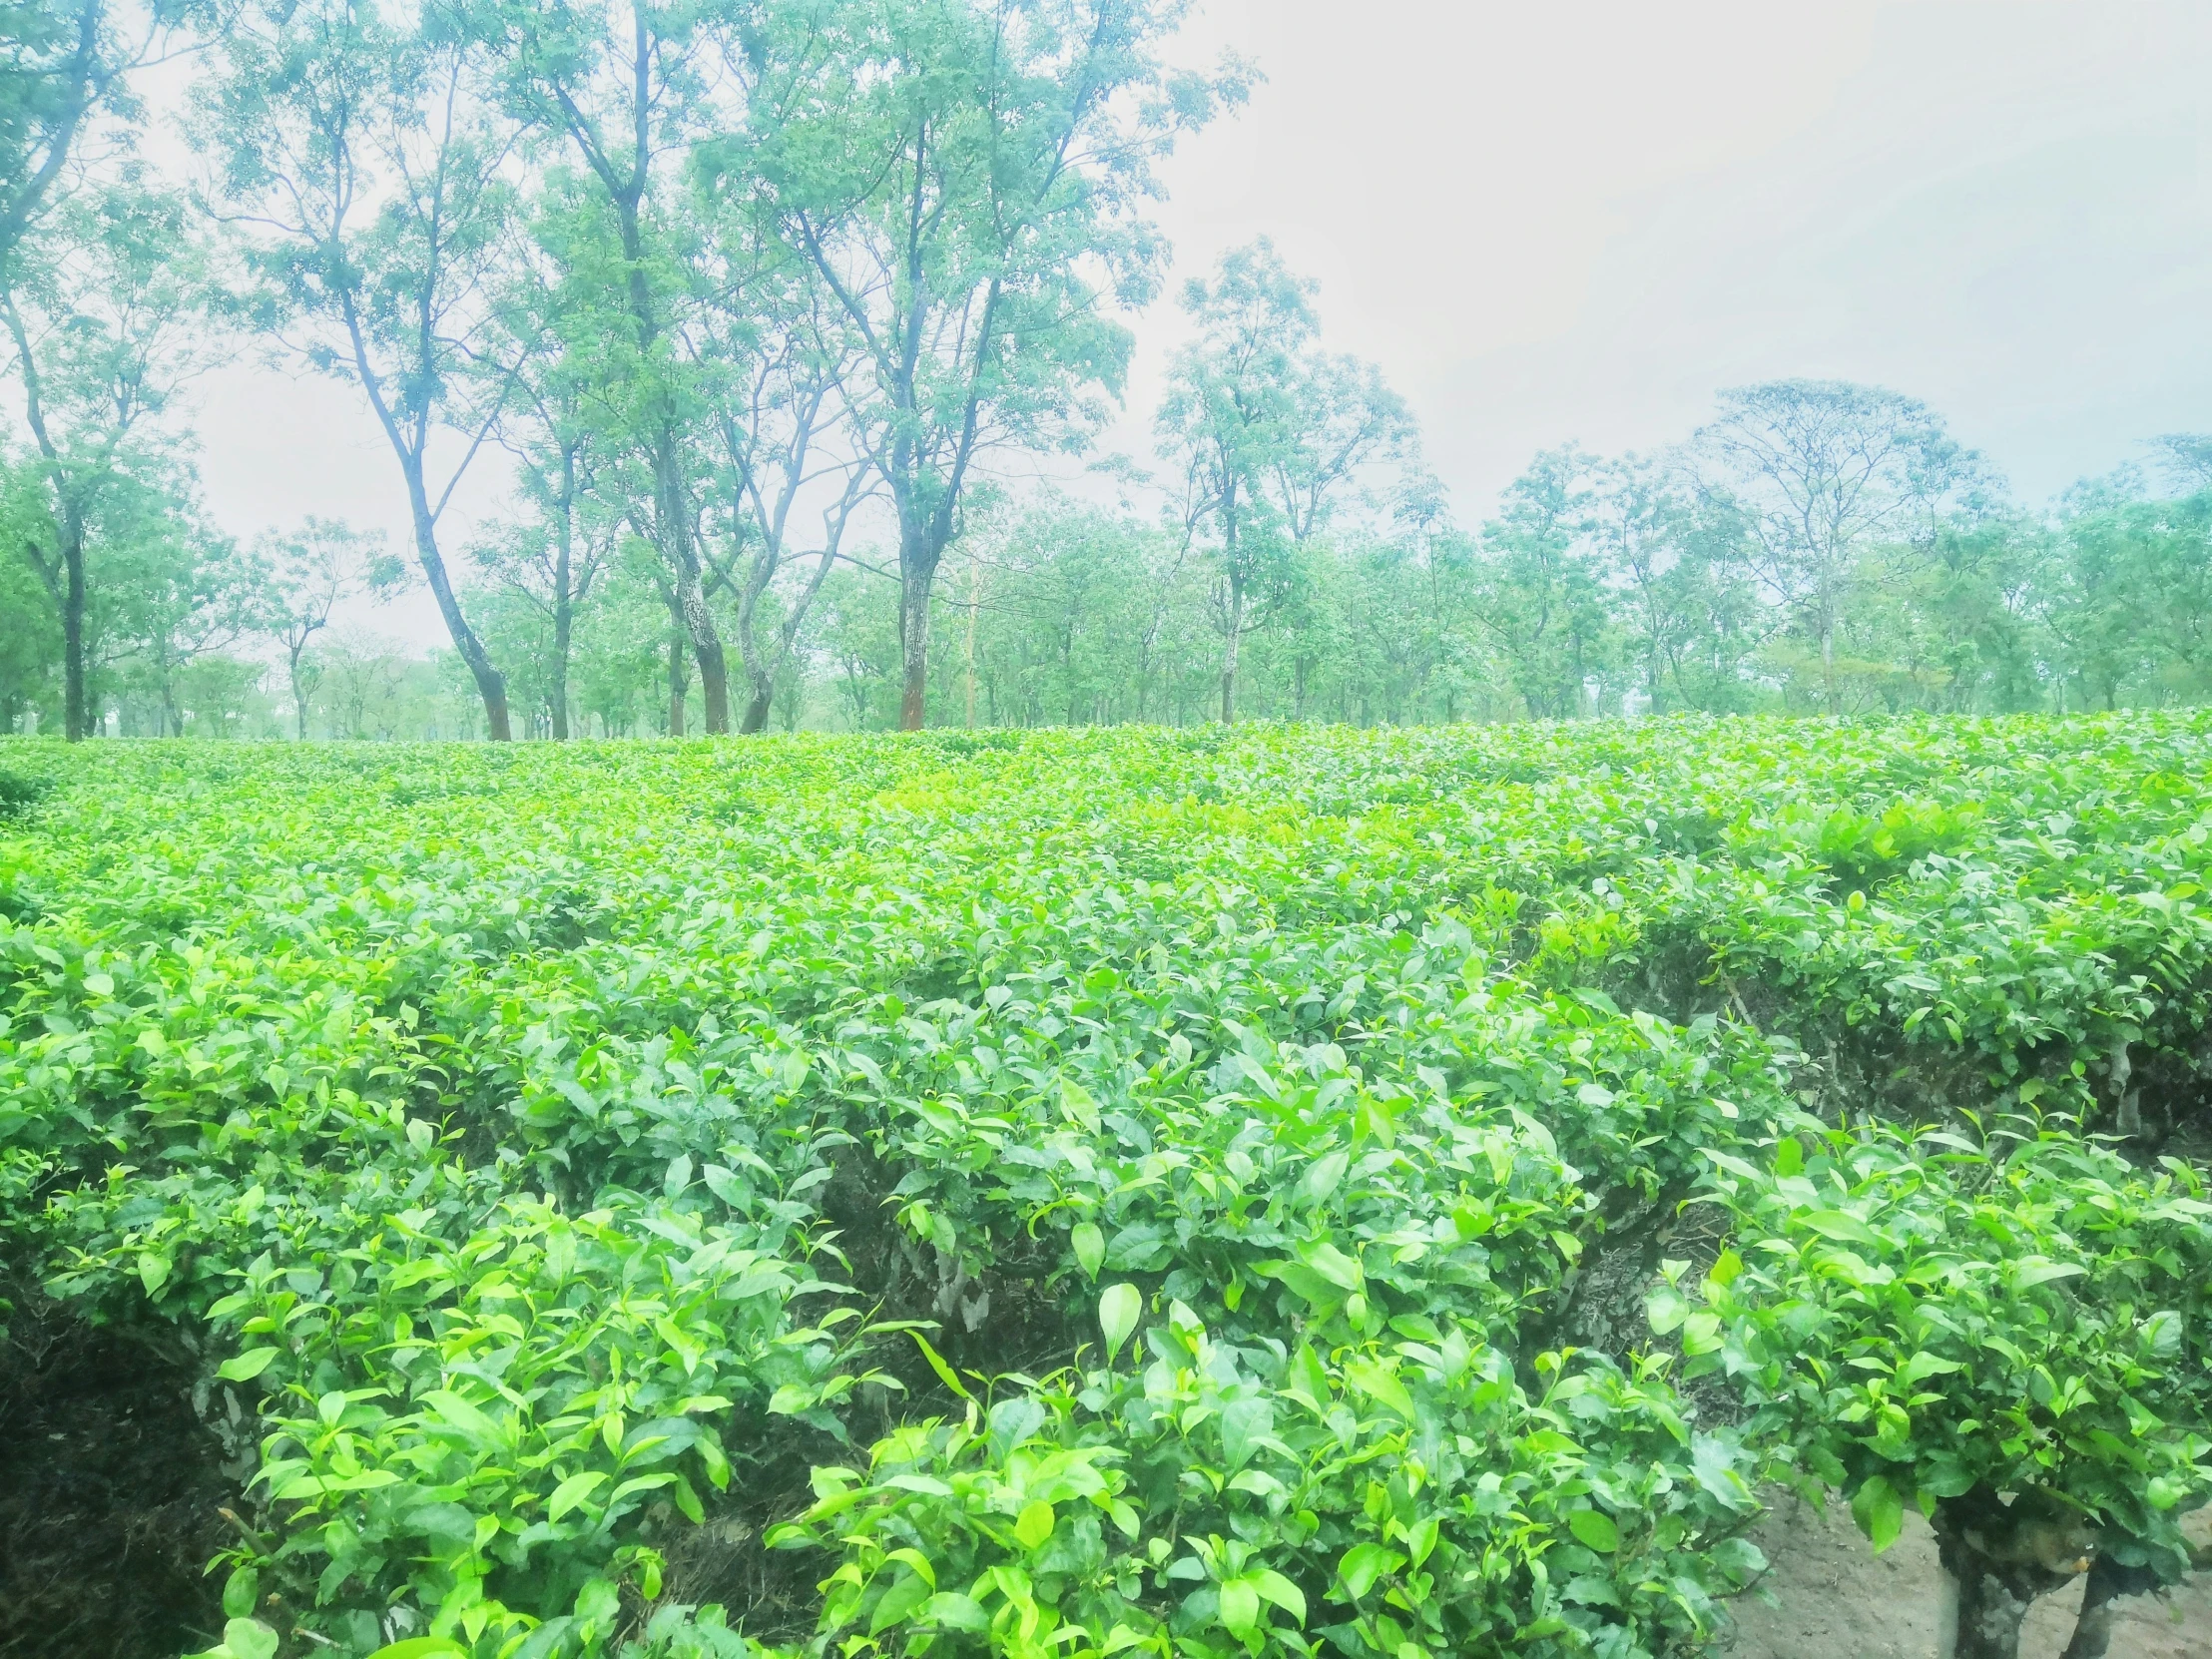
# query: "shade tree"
[[312, 570], [353, 151], [969, 179], [1822, 471], [105, 318], [1266, 436]]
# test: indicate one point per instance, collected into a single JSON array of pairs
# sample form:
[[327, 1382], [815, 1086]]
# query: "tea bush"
[[1179, 1192]]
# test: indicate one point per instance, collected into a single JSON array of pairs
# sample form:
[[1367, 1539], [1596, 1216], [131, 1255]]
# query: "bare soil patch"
[[1833, 1598]]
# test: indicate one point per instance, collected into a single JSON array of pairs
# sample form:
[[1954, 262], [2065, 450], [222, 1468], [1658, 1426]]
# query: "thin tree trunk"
[[1229, 518], [763, 668], [668, 487], [690, 597], [1229, 650], [564, 623], [976, 600], [1828, 655], [299, 692], [918, 568], [491, 685], [676, 686], [564, 601], [75, 714]]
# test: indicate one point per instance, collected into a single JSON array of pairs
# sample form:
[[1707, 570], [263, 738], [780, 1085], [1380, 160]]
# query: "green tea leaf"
[[945, 1373], [1363, 1564], [1595, 1529], [1380, 1382], [244, 1368], [1844, 1229], [571, 1493], [1879, 1513], [1119, 1307], [1240, 1606], [1089, 1245], [1034, 1525]]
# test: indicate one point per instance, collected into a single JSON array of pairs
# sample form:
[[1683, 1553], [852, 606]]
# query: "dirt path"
[[1836, 1599]]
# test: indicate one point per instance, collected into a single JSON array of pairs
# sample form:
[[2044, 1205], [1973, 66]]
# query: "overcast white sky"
[[1576, 222]]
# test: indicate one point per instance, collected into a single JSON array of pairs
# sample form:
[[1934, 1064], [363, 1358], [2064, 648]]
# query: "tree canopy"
[[789, 335]]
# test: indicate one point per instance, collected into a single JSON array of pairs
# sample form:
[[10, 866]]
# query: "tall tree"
[[1677, 558], [969, 178], [64, 66], [30, 644], [189, 594], [1346, 419], [627, 92], [1822, 471], [552, 559], [555, 422], [355, 150], [1269, 436], [778, 354], [2186, 459], [1230, 424], [1544, 602], [315, 567], [2133, 592], [104, 317]]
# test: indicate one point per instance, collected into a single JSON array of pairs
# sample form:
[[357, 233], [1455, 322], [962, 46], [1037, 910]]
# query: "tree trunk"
[[975, 599], [1828, 661], [676, 686], [1998, 1558], [668, 484], [758, 667], [564, 623], [713, 669], [1987, 1602], [2108, 1582], [491, 685], [758, 705], [564, 602], [691, 598], [763, 666], [918, 568], [1229, 650], [298, 697], [2092, 1634], [75, 722]]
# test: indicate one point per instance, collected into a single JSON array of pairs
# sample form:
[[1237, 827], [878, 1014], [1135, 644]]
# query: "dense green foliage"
[[1083, 1192]]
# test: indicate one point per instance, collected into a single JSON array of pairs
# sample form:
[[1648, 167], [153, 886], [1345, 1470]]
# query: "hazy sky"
[[1576, 222]]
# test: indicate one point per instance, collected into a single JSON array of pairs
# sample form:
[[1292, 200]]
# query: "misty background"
[[1577, 222]]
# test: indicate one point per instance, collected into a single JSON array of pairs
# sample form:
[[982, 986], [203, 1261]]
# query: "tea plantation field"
[[1213, 1193]]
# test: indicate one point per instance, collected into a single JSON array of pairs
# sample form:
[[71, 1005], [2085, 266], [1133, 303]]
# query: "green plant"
[[2008, 1334], [1214, 1498], [1357, 1068]]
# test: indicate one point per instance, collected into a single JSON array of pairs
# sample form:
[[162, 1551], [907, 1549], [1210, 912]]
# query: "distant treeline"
[[762, 301]]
